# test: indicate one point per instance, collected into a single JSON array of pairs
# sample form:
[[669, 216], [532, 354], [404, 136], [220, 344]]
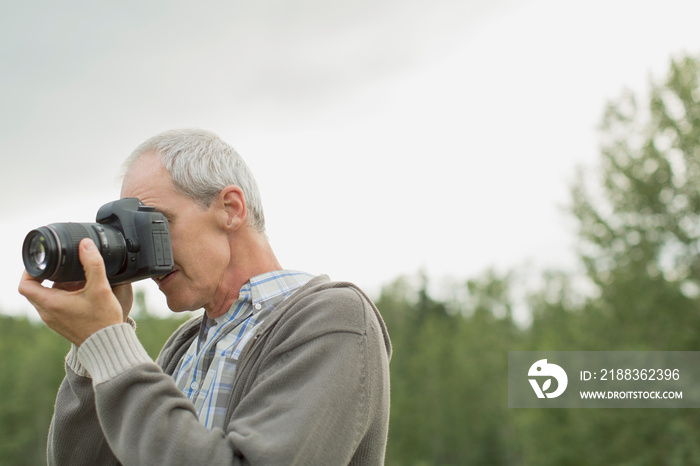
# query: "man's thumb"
[[92, 261]]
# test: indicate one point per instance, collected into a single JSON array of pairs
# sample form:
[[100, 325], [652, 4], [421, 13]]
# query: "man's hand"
[[77, 310]]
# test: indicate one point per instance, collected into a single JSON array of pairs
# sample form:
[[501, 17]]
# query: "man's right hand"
[[77, 310]]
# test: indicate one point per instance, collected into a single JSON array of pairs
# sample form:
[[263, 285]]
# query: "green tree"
[[640, 231], [639, 234], [448, 384], [30, 373]]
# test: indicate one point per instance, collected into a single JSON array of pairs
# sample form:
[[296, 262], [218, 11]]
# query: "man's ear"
[[232, 204]]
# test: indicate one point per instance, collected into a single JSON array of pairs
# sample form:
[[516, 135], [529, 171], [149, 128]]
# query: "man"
[[282, 368]]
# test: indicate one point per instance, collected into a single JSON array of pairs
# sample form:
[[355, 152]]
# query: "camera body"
[[133, 239]]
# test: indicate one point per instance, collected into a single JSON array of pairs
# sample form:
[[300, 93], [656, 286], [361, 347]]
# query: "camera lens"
[[51, 252], [40, 252], [37, 252]]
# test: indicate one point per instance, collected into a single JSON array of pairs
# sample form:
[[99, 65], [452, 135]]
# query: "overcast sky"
[[387, 136]]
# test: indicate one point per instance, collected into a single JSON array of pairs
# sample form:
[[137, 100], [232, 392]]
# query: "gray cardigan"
[[312, 388]]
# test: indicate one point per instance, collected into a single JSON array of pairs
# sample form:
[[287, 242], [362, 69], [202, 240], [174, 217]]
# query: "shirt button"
[[194, 386], [258, 306]]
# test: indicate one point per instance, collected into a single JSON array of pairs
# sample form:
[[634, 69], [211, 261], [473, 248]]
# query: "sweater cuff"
[[111, 351], [73, 363]]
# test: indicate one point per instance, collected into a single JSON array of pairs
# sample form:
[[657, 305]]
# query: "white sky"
[[387, 136]]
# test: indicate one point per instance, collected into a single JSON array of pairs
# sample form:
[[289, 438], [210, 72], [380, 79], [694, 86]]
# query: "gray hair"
[[201, 164]]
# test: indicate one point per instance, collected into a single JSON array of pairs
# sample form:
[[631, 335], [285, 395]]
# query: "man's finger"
[[39, 296], [29, 286], [69, 286], [92, 262]]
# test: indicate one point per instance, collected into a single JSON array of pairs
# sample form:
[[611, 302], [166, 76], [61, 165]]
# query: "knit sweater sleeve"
[[144, 417], [75, 436]]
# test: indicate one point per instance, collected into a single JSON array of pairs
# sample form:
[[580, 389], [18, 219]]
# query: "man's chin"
[[177, 304]]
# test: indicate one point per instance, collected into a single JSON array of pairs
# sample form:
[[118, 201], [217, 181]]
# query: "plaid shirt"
[[207, 371]]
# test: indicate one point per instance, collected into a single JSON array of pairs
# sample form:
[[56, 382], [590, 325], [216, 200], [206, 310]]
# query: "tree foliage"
[[445, 373], [640, 236]]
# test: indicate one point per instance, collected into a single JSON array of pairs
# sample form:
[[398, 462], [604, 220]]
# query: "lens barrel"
[[51, 252]]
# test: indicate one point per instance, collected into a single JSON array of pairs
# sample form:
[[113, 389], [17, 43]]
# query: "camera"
[[133, 238]]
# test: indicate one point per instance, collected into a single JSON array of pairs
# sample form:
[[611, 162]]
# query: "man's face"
[[200, 247]]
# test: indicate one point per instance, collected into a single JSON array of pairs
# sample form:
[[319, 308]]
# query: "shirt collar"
[[261, 293], [271, 288], [264, 292]]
